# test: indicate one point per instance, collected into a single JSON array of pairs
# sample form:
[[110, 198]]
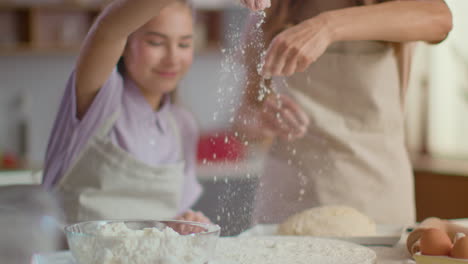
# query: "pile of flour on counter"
[[293, 250], [115, 243]]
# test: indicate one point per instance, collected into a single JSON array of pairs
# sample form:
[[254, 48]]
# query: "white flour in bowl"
[[115, 243]]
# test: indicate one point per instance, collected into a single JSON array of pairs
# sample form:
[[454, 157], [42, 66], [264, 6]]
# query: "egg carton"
[[425, 259]]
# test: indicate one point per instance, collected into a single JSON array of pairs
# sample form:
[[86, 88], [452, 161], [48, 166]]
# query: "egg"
[[460, 248], [435, 242]]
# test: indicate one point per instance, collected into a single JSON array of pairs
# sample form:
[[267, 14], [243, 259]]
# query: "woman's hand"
[[294, 49], [281, 116], [256, 5]]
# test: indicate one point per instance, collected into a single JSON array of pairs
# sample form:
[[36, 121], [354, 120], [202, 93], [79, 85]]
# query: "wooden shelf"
[[74, 5], [59, 7], [26, 49], [46, 28]]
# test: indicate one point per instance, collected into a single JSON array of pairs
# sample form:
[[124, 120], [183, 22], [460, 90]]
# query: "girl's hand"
[[256, 5], [281, 116], [294, 49], [191, 216], [194, 217]]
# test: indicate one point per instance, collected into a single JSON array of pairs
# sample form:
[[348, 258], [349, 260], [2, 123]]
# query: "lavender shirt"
[[139, 130]]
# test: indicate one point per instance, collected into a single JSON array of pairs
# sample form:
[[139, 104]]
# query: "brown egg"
[[460, 248], [435, 242]]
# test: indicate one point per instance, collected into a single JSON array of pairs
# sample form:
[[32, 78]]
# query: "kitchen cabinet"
[[20, 177], [441, 187]]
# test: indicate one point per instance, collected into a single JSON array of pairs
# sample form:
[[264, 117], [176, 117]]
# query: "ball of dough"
[[328, 221]]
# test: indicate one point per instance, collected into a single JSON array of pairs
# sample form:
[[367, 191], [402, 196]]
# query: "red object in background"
[[220, 146], [9, 161]]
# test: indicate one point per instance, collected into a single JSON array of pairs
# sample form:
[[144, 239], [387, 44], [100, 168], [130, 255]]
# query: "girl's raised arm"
[[105, 43]]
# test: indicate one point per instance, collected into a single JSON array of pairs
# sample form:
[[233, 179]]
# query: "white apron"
[[106, 182], [353, 153]]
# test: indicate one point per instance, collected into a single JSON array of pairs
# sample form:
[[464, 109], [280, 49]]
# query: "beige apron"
[[353, 153], [106, 182]]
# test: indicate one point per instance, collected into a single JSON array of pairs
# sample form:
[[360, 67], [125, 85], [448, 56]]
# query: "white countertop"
[[385, 255]]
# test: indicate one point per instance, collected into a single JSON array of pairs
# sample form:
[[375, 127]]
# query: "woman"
[[120, 147], [337, 114]]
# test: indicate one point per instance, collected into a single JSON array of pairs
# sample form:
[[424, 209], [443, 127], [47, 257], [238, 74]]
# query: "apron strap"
[[101, 132]]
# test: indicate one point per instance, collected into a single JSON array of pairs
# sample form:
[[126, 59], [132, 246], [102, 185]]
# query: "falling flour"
[[264, 90], [115, 243]]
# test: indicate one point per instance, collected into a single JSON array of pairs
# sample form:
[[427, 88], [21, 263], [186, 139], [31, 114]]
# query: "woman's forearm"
[[395, 21]]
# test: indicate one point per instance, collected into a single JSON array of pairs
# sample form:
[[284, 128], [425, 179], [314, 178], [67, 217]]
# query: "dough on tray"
[[328, 221]]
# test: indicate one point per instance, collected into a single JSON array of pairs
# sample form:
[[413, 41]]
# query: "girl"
[[338, 122], [120, 147]]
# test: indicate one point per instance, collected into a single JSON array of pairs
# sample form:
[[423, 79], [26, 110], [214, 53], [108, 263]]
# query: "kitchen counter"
[[440, 165], [385, 255], [440, 187], [19, 177]]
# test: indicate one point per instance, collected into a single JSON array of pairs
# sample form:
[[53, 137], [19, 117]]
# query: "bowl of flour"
[[142, 242]]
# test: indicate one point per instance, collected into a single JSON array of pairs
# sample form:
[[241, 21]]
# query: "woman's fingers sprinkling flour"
[[297, 47]]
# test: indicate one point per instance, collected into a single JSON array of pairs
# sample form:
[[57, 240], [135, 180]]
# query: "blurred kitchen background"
[[39, 40]]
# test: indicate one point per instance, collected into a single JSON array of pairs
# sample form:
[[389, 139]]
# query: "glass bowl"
[[142, 242]]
